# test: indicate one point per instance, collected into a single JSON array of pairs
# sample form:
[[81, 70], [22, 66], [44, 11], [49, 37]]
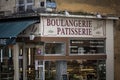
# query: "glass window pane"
[[87, 46], [40, 62], [29, 7], [55, 48], [87, 70], [21, 1], [21, 8], [29, 1], [78, 70], [6, 62], [50, 70]]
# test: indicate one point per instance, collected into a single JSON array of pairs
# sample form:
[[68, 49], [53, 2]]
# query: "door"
[[30, 68], [26, 63], [39, 68], [30, 63]]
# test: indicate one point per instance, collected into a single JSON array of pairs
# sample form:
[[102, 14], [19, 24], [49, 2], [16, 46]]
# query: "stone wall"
[[7, 5], [90, 6]]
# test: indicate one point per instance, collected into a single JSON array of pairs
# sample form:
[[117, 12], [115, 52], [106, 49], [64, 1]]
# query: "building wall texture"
[[7, 5], [104, 7], [90, 6]]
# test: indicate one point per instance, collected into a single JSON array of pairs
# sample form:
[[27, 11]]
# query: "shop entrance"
[[26, 63], [30, 63], [29, 67]]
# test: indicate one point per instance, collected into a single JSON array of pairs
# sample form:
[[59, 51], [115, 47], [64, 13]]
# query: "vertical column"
[[1, 57], [109, 50], [61, 69], [16, 62], [43, 70], [24, 63], [10, 54]]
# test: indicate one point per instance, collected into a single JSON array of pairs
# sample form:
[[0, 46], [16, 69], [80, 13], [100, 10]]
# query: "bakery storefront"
[[64, 47], [77, 47]]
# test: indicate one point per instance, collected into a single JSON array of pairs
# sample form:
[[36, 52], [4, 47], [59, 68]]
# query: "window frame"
[[25, 4], [29, 1], [64, 51]]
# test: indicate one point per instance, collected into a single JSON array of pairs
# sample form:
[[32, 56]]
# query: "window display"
[[87, 46], [78, 70], [50, 70], [87, 70]]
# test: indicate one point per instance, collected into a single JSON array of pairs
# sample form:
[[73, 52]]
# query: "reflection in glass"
[[87, 70], [39, 70], [55, 48], [50, 70], [78, 70]]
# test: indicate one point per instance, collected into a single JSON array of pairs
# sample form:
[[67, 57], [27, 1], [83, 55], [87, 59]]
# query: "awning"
[[12, 28]]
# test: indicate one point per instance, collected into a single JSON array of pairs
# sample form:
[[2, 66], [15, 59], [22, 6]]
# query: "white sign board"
[[72, 27]]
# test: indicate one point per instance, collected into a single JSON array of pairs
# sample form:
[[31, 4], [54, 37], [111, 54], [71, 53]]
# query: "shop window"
[[87, 46], [54, 48], [6, 63], [78, 70], [87, 70], [50, 70]]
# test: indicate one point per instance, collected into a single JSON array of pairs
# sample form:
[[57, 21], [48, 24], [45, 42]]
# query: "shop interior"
[[78, 70]]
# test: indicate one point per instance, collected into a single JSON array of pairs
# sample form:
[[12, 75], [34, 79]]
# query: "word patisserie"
[[71, 26]]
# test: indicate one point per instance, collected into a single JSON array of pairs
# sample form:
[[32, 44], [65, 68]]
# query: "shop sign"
[[50, 4], [72, 27], [3, 41], [7, 41], [39, 51]]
